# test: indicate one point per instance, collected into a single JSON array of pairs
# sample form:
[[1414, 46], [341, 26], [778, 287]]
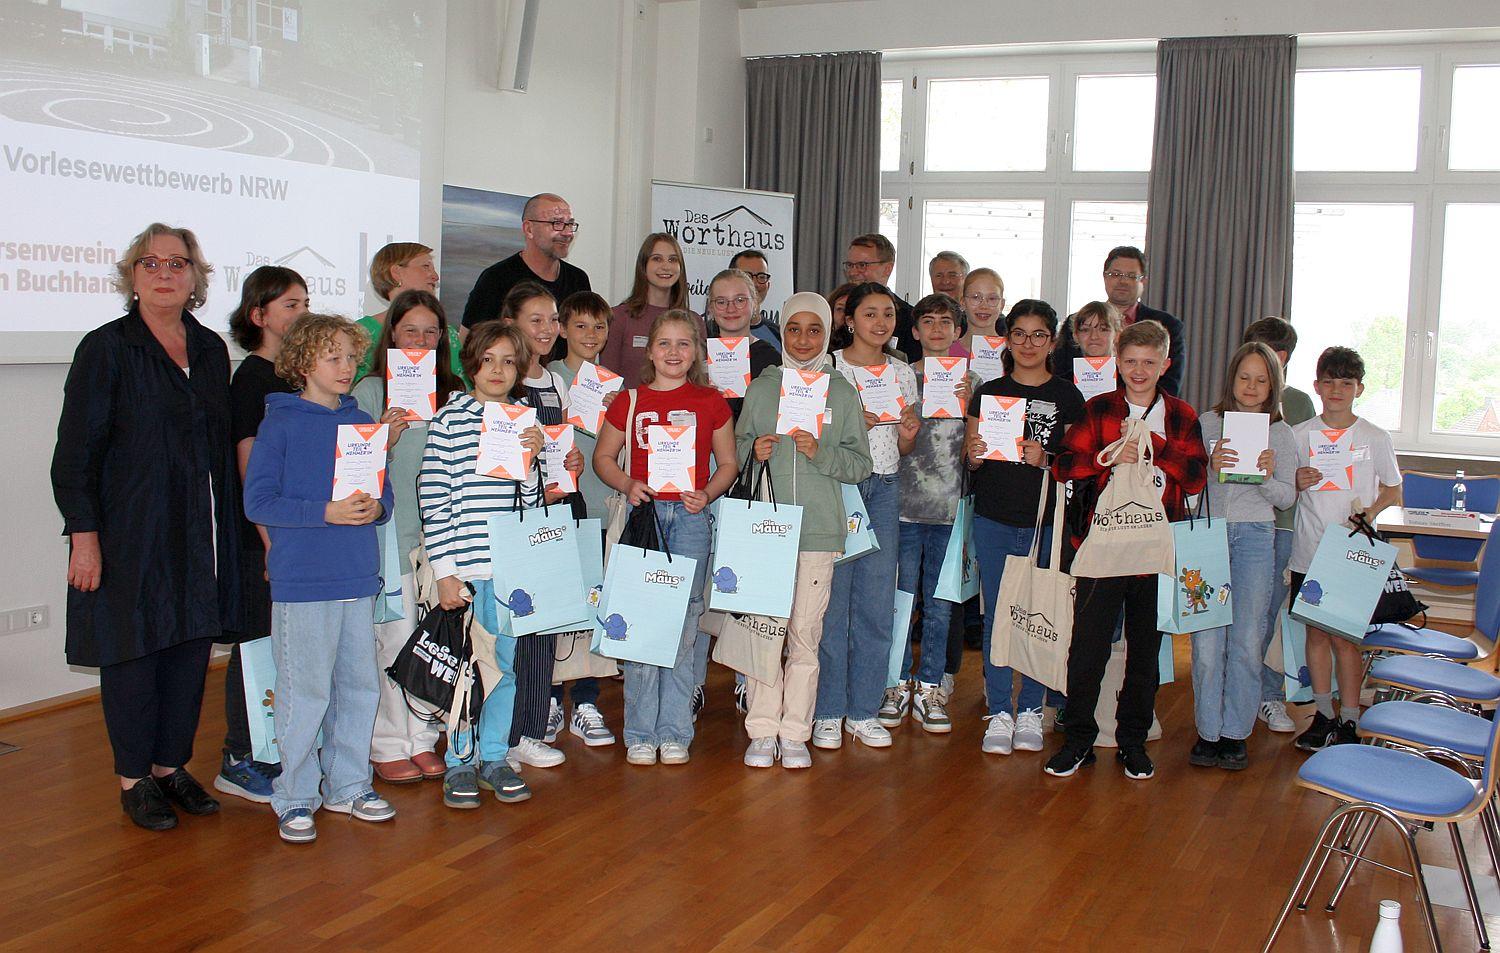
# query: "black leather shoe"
[[147, 806], [184, 790], [1205, 753], [1234, 755]]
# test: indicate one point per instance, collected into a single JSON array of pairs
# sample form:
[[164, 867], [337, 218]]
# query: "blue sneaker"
[[244, 779]]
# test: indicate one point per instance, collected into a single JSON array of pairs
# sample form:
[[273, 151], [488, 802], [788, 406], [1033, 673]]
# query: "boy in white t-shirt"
[[1376, 484]]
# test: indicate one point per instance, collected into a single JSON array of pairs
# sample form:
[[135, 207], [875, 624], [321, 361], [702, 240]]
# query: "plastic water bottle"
[[1460, 493], [1387, 938]]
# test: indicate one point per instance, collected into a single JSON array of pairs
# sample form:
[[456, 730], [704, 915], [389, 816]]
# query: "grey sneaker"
[[554, 720], [929, 710], [296, 826], [761, 753], [893, 706], [368, 806], [461, 787], [794, 754], [501, 778], [589, 725], [947, 687]]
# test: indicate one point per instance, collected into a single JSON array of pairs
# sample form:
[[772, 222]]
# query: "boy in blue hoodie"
[[324, 568]]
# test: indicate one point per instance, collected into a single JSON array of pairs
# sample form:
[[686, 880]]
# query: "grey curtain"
[[812, 128], [1219, 219]]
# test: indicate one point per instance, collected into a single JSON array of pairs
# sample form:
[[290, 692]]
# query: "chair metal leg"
[[1409, 840], [1325, 839], [1467, 876], [1488, 824], [1351, 862], [1349, 818]]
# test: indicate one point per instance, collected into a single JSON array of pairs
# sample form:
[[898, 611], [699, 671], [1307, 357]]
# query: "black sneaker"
[[147, 806], [1319, 735], [1347, 733], [1205, 753], [1068, 760], [1138, 766], [1059, 721], [1234, 754], [698, 701]]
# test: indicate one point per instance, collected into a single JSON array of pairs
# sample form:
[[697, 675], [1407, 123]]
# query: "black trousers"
[[1096, 610], [236, 719], [534, 660], [151, 706]]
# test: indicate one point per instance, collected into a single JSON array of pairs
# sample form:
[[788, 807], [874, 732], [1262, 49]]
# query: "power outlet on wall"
[[24, 620]]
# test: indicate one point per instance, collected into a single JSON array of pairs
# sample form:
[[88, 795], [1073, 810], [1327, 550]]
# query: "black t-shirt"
[[1007, 492], [497, 280], [253, 381], [762, 356]]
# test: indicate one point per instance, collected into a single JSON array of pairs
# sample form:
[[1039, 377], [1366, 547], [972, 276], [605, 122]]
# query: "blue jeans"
[[658, 701], [498, 711], [993, 541], [1227, 661], [327, 680], [923, 546], [1272, 682], [855, 653]]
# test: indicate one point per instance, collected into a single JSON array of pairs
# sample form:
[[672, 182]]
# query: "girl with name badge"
[[402, 748], [807, 471], [674, 391], [398, 267], [660, 285], [855, 651]]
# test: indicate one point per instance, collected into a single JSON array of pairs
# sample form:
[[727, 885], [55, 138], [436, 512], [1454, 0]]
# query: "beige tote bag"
[[751, 644], [1128, 534], [1033, 618]]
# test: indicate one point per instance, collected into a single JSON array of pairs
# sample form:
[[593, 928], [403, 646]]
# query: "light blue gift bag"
[[388, 602], [1166, 662], [645, 605], [1344, 582], [900, 636], [958, 580], [537, 571], [1294, 659], [859, 535], [590, 534], [258, 671], [1198, 596], [754, 566]]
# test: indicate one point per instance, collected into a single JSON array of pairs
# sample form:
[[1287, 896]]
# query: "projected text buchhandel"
[[143, 174]]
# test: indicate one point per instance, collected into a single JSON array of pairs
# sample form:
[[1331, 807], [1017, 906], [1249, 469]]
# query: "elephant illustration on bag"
[[726, 581], [520, 603], [1312, 592], [615, 627]]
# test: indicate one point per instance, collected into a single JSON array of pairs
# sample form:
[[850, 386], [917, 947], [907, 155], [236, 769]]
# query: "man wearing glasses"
[[872, 257], [1124, 280], [947, 272], [549, 228], [754, 264]]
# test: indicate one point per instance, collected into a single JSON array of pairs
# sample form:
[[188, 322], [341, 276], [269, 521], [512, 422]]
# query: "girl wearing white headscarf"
[[806, 470]]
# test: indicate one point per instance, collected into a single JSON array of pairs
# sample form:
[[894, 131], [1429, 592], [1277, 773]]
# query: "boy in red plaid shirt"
[[1181, 468]]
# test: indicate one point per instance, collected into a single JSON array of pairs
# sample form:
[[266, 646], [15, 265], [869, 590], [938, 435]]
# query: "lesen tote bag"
[[1197, 596], [1128, 534], [1033, 618]]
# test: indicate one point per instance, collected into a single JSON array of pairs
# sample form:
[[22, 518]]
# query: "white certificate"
[[555, 451], [804, 398], [729, 365], [1094, 375], [411, 382], [1331, 452], [359, 459], [1249, 436], [880, 392], [940, 379], [1002, 426], [671, 457], [501, 454], [586, 396], [987, 353]]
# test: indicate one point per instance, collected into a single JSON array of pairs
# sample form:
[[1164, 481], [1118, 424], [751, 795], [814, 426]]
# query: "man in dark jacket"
[[1124, 280]]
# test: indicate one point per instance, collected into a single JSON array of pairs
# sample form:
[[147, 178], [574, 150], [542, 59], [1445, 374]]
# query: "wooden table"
[[1393, 520]]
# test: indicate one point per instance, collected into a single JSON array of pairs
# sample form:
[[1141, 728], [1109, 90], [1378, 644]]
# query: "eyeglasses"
[[991, 300], [177, 264], [558, 224], [863, 265], [738, 301], [1124, 274], [759, 277], [1038, 338]]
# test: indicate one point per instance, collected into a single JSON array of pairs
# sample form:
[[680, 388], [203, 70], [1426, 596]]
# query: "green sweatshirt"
[[843, 457]]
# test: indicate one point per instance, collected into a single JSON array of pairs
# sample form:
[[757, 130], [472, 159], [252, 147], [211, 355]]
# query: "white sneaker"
[[870, 731], [761, 753], [794, 754], [674, 752], [946, 687], [589, 725], [927, 709], [999, 737], [742, 697], [1275, 716], [893, 706], [1028, 734], [828, 733], [533, 752], [554, 721], [641, 754]]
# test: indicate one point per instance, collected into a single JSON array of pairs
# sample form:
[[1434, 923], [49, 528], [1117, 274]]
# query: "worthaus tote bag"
[[1033, 618], [1128, 532], [751, 645]]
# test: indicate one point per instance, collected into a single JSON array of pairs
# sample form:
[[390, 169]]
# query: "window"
[[1467, 395], [1096, 228], [1003, 235], [1364, 120], [987, 124], [1475, 133], [1351, 268], [1113, 119], [890, 125], [890, 216]]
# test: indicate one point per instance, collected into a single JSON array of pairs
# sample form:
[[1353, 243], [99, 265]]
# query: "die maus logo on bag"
[[1363, 558], [550, 534], [661, 577], [1128, 514], [770, 527]]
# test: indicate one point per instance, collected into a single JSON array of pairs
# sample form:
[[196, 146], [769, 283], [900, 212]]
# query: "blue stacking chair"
[[1432, 491], [1405, 790]]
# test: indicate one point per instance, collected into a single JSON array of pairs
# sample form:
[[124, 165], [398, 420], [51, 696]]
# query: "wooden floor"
[[927, 845]]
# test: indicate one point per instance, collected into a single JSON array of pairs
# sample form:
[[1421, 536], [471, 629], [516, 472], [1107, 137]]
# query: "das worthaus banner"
[[713, 224]]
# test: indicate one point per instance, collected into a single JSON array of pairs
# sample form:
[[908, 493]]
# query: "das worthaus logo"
[[1128, 514], [1036, 625]]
